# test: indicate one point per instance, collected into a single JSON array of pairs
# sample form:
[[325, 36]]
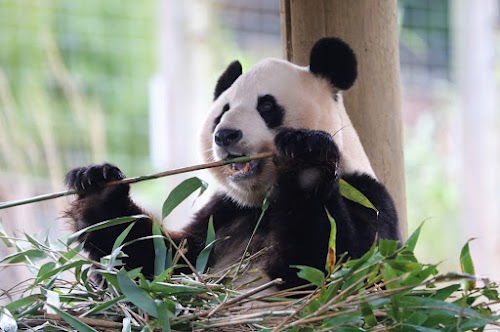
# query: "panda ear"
[[333, 59], [232, 72]]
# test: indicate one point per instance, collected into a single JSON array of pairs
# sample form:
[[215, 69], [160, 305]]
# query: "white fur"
[[308, 103]]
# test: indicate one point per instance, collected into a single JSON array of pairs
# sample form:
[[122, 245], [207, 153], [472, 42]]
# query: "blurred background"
[[129, 82]]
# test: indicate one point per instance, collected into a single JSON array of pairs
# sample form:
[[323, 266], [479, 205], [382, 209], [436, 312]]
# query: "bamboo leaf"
[[22, 302], [202, 260], [331, 258], [104, 224], [20, 257], [103, 306], [467, 265], [180, 193], [73, 321], [444, 293], [119, 240], [164, 313], [5, 238], [160, 250], [368, 315], [135, 294], [415, 302], [353, 194], [310, 274], [167, 289], [352, 318], [60, 269], [411, 243], [388, 247], [45, 268]]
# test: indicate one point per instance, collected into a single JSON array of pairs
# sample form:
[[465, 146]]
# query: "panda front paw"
[[93, 178], [307, 161], [307, 146]]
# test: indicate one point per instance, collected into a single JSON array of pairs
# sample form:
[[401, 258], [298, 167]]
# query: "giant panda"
[[297, 113]]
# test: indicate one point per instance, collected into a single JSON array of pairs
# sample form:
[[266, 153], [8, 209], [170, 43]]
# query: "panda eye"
[[270, 111], [266, 104]]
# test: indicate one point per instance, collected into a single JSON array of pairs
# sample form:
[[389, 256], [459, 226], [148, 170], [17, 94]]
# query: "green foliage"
[[385, 289], [73, 76], [180, 193], [353, 194]]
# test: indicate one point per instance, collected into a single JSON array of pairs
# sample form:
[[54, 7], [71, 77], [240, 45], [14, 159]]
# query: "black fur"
[[217, 119], [334, 60], [232, 72], [270, 111]]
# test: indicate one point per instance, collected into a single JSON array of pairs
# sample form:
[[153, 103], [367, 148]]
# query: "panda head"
[[250, 108]]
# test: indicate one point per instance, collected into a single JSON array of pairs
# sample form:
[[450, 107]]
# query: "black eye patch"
[[217, 119], [270, 111]]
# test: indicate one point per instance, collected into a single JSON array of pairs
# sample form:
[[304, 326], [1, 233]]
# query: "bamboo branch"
[[219, 163]]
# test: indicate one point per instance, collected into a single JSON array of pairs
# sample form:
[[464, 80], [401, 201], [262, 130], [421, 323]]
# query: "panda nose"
[[227, 137]]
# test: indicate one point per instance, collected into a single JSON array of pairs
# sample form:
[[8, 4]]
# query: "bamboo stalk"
[[219, 163]]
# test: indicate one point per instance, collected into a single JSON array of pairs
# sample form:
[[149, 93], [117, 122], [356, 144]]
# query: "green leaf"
[[467, 265], [310, 274], [119, 240], [164, 309], [180, 193], [412, 240], [167, 289], [450, 309], [388, 247], [37, 244], [20, 257], [70, 253], [110, 278], [5, 238], [103, 306], [416, 328], [490, 294], [104, 224], [45, 268], [160, 250], [202, 260], [135, 294], [331, 257], [350, 318], [353, 194], [73, 321], [368, 315], [22, 302], [444, 293], [417, 318], [53, 272], [390, 276]]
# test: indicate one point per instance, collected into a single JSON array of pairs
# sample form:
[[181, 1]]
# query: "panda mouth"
[[242, 170]]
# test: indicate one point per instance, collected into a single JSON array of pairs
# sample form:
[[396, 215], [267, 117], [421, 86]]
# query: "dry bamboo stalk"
[[219, 163], [89, 321]]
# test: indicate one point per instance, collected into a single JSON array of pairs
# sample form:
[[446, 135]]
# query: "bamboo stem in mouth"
[[243, 159]]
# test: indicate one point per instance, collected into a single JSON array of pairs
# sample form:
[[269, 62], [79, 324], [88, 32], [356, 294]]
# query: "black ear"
[[232, 72], [334, 60]]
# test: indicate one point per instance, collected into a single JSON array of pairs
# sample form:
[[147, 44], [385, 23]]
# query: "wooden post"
[[374, 102]]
